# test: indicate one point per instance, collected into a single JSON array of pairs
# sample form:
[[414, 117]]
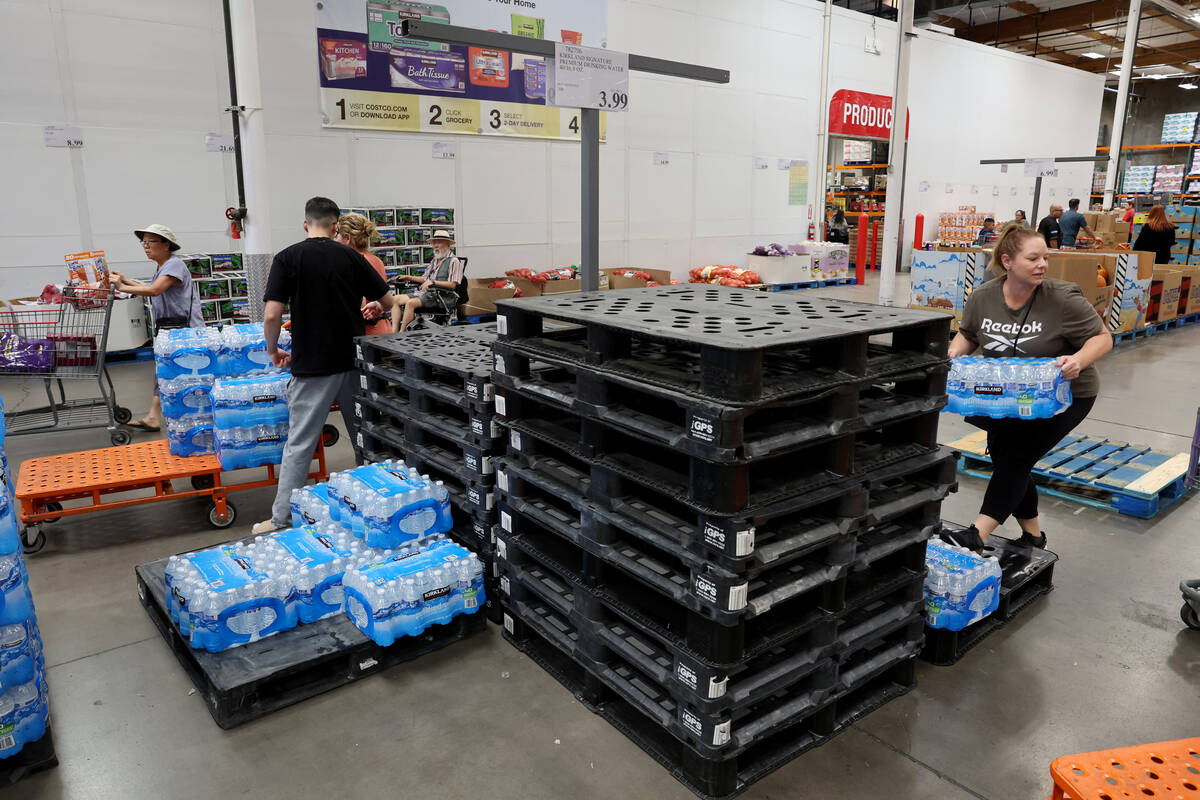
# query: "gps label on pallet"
[[702, 429]]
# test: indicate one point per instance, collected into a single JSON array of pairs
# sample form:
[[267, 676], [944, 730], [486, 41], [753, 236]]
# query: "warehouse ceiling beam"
[[589, 118], [1027, 25]]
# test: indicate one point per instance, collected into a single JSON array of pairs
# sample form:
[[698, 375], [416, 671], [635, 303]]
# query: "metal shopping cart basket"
[[58, 342]]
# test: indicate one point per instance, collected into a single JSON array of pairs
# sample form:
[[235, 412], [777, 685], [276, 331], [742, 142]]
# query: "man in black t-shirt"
[[1050, 229], [323, 282]]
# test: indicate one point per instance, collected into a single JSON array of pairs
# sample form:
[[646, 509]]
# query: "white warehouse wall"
[[146, 80]]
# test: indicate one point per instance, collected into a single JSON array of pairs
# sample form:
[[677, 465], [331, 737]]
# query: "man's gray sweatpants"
[[309, 400]]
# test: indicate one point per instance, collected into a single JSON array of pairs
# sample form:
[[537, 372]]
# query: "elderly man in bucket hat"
[[439, 284], [172, 296]]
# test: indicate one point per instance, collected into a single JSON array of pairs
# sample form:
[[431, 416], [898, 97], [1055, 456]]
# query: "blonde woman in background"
[[356, 231]]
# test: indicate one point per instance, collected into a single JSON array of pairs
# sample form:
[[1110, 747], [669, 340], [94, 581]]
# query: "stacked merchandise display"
[[1179, 128], [247, 426], [221, 283], [714, 511], [1169, 178], [961, 226], [403, 245], [1138, 180], [427, 397], [26, 743]]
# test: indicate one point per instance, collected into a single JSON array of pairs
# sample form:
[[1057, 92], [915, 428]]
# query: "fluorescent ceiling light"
[[1188, 86], [933, 26], [1157, 77], [1196, 17], [1092, 55], [1114, 72]]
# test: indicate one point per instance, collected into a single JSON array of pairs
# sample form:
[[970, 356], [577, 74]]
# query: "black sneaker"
[[967, 537], [1029, 540]]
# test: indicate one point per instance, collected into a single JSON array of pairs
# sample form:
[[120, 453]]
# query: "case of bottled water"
[[311, 561], [24, 711], [186, 351], [251, 446], [389, 504], [256, 399], [191, 435], [1021, 388], [16, 604], [310, 506], [243, 348], [21, 659], [405, 593], [220, 598], [186, 395], [960, 587]]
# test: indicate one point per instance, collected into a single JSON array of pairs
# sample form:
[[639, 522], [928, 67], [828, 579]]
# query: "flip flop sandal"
[[142, 426]]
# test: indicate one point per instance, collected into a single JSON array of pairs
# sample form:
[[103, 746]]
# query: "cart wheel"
[[230, 515], [120, 437], [1190, 617], [202, 482], [34, 545], [53, 507], [330, 435], [122, 414]]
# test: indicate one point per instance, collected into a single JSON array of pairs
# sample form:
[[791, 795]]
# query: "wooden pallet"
[[1116, 476]]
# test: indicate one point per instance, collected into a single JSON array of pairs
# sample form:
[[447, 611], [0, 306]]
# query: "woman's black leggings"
[[1015, 445]]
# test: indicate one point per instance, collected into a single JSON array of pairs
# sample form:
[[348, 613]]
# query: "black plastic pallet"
[[475, 425], [434, 432], [1027, 574], [250, 681], [723, 489], [733, 772], [452, 364], [717, 431], [33, 758], [725, 344]]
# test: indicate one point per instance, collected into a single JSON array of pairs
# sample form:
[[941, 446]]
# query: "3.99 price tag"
[[587, 77]]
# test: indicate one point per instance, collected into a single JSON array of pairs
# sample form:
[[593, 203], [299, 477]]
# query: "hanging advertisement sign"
[[372, 77], [862, 115]]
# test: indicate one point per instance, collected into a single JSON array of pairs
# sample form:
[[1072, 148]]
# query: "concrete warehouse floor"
[[1103, 661]]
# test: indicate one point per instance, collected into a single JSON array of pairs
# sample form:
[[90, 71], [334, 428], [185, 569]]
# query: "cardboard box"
[[616, 281], [1092, 220], [781, 269], [1165, 289], [564, 287], [1131, 289], [1184, 230], [940, 278], [475, 311], [479, 296], [1185, 291], [528, 288], [1079, 267], [1192, 306]]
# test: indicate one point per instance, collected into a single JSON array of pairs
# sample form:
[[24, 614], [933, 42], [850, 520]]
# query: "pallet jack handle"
[[1190, 479]]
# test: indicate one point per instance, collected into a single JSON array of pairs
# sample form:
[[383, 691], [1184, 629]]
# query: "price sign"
[[1040, 168], [218, 142], [587, 77], [63, 136]]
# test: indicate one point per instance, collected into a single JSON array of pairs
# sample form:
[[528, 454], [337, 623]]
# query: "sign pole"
[[589, 159], [897, 153]]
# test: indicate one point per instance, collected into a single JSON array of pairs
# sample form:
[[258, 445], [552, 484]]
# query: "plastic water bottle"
[[186, 395], [16, 604], [961, 587], [20, 654], [1021, 388], [24, 710], [190, 435]]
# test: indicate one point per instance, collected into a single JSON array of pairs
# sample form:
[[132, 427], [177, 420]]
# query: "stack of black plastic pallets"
[[426, 397], [713, 512]]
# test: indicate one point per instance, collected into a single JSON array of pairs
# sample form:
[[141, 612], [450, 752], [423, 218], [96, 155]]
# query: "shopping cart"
[[58, 342]]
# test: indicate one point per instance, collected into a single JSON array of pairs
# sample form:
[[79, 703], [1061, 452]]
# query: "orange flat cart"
[[107, 476]]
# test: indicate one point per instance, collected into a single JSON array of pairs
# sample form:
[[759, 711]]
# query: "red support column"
[[874, 244], [860, 261], [919, 232]]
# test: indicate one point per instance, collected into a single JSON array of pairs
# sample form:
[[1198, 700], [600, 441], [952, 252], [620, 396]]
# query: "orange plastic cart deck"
[[1164, 770], [43, 484]]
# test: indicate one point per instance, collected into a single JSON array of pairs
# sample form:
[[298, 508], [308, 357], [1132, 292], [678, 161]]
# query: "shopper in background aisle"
[[1157, 236], [323, 282], [1049, 228], [1027, 315], [355, 230], [839, 229], [1071, 222], [173, 300], [987, 234], [1019, 219], [439, 284], [1128, 206]]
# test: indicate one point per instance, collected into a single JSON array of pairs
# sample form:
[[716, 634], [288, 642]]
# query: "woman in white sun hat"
[[172, 294], [439, 284]]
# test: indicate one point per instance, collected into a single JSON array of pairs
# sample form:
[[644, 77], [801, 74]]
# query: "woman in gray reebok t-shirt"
[[1024, 314]]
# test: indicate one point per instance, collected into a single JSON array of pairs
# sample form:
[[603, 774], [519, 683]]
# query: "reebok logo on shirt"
[[996, 330]]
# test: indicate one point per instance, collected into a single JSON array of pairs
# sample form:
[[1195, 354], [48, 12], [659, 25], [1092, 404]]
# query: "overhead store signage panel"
[[861, 114], [371, 77]]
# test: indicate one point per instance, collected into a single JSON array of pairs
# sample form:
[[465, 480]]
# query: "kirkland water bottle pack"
[[24, 714], [221, 598], [251, 446], [389, 504], [244, 349], [405, 593], [1021, 388], [191, 435], [186, 395], [311, 560], [186, 351], [310, 506], [960, 586], [256, 399]]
